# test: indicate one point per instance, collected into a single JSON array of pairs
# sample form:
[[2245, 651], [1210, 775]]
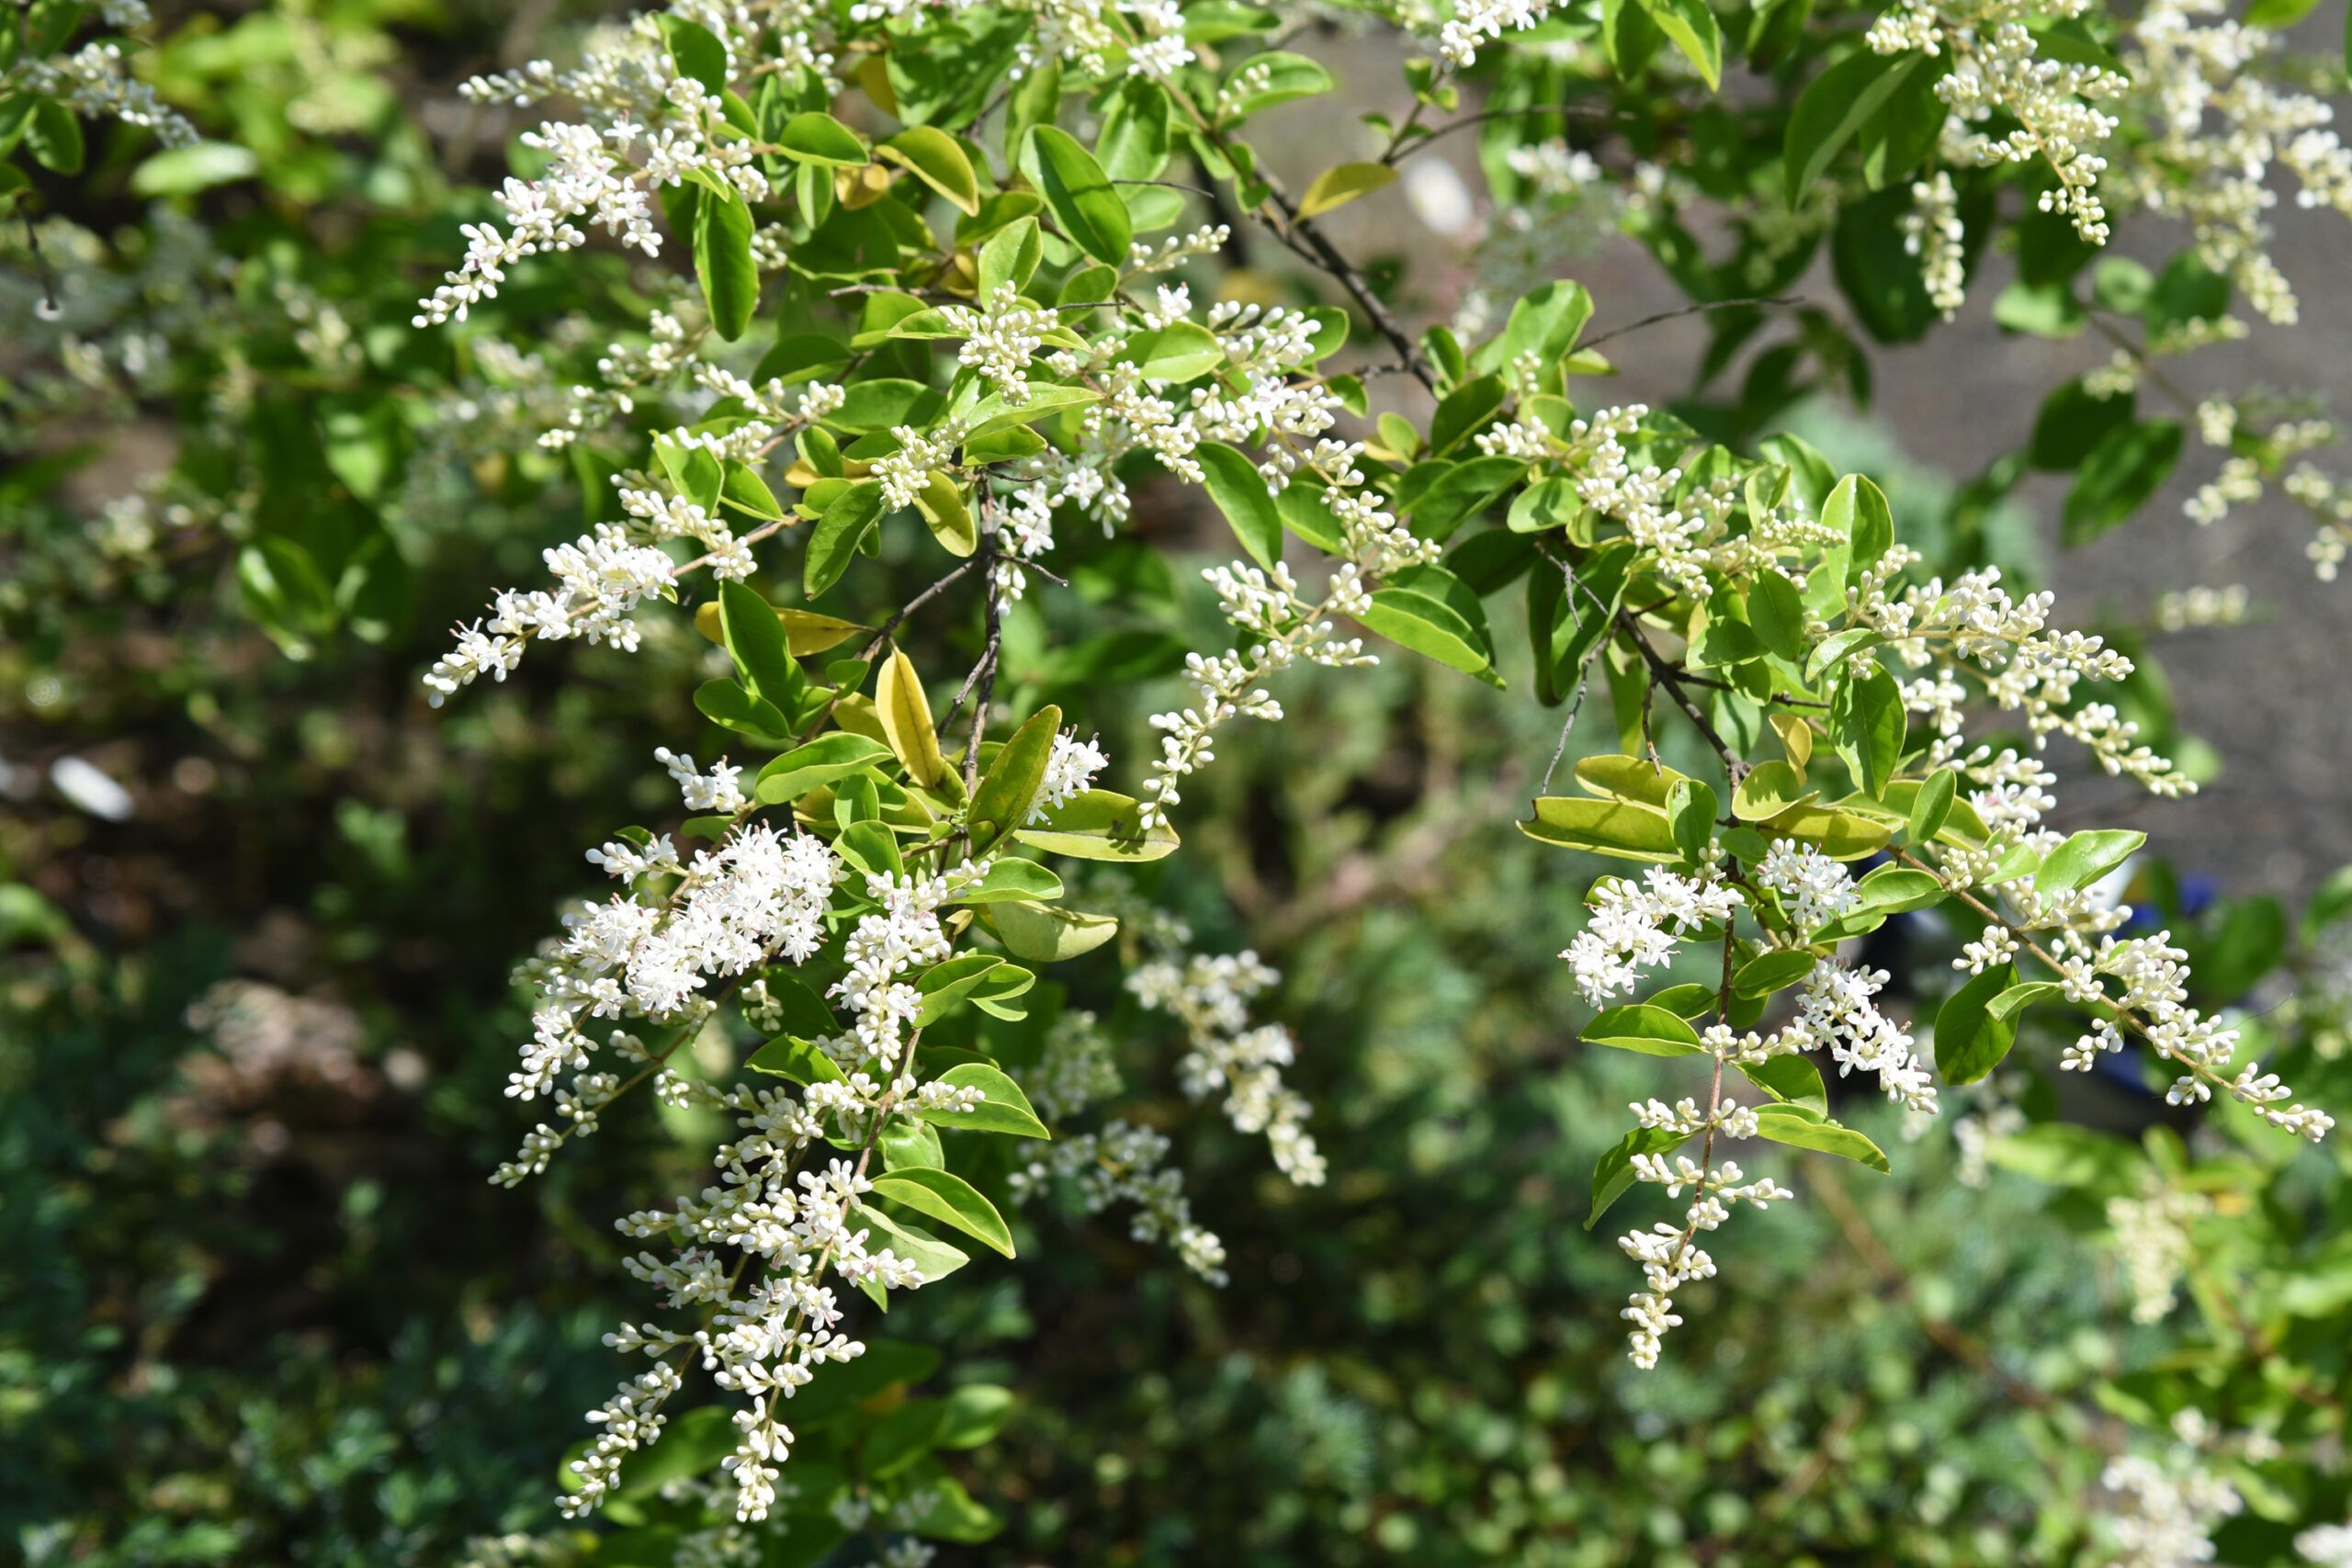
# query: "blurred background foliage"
[[258, 906]]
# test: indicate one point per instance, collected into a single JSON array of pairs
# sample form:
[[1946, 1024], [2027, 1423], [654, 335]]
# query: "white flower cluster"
[[1669, 1254], [1000, 337], [1996, 68], [1814, 890], [2219, 117], [1232, 684], [1069, 772], [902, 935], [1121, 1163], [1210, 995], [2151, 991], [2022, 666], [2153, 1239], [1628, 932], [1476, 21], [95, 82], [1124, 1163], [2326, 1546], [637, 107], [604, 575], [1932, 232], [2163, 1515], [1836, 1012], [1680, 532]]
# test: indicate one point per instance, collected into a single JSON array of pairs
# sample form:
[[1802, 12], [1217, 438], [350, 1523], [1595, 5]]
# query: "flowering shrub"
[[890, 329]]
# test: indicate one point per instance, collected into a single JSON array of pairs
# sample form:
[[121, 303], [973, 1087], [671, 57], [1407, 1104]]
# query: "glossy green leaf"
[[1652, 1030], [2085, 858], [1006, 1109], [1099, 825], [1008, 788], [834, 542], [1800, 1128], [1241, 492], [1970, 1040], [1084, 204], [815, 137], [949, 1199]]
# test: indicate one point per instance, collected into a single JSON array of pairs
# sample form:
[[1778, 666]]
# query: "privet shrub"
[[892, 330]]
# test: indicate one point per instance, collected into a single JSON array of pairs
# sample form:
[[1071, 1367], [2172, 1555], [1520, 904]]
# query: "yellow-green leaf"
[[1341, 184]]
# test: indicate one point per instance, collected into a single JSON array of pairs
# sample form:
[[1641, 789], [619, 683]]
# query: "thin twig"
[[1791, 302]]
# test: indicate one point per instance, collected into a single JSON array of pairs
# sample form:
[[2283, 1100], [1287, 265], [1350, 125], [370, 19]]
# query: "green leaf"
[[2072, 422], [1006, 1109], [1048, 934], [975, 1412], [1341, 184], [1836, 648], [1099, 825], [939, 161], [1840, 835], [1010, 256], [947, 516], [1793, 1079], [1832, 107], [1857, 510], [1691, 811], [1275, 76], [1802, 1129], [1931, 806], [1134, 141], [54, 137], [1005, 794], [789, 1057], [1769, 972], [1687, 1000], [2127, 466], [1768, 790], [1776, 613], [1464, 490], [731, 707], [2086, 857], [1867, 727], [1177, 352], [1653, 1031], [833, 542], [1604, 827], [184, 171], [755, 639], [905, 1434], [1613, 1175], [828, 759], [1011, 879], [1085, 204], [911, 1143], [815, 137], [696, 52], [1544, 322], [935, 1258], [1690, 26], [1241, 492], [1970, 1042], [950, 1200], [1432, 629], [2066, 1156], [746, 491], [2018, 997]]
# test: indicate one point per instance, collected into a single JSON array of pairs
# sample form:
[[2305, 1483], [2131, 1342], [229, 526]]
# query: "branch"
[[1791, 302]]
